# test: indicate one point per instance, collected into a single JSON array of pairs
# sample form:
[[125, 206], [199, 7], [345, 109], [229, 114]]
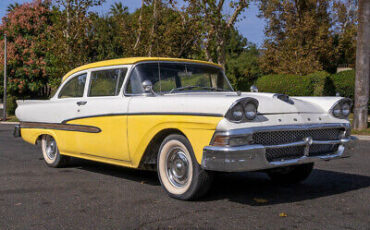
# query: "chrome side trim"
[[58, 126], [144, 114]]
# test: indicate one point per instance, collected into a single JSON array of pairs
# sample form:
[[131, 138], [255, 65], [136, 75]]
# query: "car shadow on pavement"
[[256, 189], [142, 176], [247, 188]]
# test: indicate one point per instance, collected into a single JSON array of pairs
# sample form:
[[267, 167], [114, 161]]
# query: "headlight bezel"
[[243, 104], [337, 109]]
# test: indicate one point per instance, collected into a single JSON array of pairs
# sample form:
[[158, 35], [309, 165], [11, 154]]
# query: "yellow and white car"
[[182, 118]]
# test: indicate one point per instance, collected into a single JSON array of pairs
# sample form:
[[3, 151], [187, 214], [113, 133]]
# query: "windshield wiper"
[[212, 88], [183, 88], [193, 86]]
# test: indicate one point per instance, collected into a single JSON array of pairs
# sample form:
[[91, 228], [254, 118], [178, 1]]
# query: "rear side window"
[[106, 82], [74, 87]]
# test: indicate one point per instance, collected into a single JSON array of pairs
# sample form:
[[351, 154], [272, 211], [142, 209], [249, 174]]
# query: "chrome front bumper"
[[253, 157]]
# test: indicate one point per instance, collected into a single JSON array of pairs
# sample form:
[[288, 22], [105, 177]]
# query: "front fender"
[[143, 128]]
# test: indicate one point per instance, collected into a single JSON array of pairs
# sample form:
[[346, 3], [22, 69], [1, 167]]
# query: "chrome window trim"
[[107, 68], [71, 77], [175, 62]]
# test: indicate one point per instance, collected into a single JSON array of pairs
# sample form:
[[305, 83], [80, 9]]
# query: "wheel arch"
[[149, 158], [33, 136]]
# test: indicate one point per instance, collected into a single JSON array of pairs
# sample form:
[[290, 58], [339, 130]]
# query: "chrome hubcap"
[[51, 148], [177, 167]]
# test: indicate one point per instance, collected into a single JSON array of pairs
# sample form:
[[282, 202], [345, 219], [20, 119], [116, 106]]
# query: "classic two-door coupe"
[[183, 118]]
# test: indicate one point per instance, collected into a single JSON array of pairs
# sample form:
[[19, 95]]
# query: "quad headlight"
[[342, 108], [243, 110]]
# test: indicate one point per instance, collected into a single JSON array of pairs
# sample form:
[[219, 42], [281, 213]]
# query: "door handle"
[[81, 103]]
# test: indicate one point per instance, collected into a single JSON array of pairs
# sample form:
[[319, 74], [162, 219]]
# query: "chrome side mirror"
[[254, 89], [147, 86]]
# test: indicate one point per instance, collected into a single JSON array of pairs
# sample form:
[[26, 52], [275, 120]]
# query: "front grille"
[[289, 136]]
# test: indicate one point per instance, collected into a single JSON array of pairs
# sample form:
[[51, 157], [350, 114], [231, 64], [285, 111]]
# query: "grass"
[[360, 132], [11, 119]]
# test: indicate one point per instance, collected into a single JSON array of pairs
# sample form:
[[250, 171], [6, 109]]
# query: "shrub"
[[322, 84], [344, 83], [11, 105], [316, 84]]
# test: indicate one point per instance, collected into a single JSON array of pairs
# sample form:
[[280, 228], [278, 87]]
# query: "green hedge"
[[316, 84], [11, 105], [344, 83]]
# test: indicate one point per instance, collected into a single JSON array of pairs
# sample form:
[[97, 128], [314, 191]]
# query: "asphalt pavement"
[[89, 195]]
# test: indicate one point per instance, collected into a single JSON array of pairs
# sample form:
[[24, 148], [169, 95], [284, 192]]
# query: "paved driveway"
[[90, 195]]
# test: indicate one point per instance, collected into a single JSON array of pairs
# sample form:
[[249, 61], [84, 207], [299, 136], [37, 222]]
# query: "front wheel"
[[291, 174], [179, 173], [51, 153]]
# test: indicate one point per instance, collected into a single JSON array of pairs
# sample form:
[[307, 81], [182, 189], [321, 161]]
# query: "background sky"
[[249, 24]]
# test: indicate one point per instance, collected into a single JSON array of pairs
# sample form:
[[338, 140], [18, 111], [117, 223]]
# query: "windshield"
[[177, 77]]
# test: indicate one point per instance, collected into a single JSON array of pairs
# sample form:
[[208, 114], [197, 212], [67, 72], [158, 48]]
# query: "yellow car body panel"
[[109, 143], [142, 128], [126, 146]]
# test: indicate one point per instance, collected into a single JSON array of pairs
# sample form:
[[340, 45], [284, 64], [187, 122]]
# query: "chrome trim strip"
[[307, 142], [145, 114], [58, 126], [298, 143], [251, 130]]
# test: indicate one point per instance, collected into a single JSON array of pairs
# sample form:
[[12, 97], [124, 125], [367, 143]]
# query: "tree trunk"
[[140, 29], [153, 33], [362, 67]]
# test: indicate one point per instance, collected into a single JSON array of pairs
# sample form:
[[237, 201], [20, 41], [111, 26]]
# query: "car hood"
[[218, 103]]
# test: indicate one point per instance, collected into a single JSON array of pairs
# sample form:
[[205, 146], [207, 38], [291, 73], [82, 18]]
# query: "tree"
[[362, 67], [71, 37], [298, 36], [12, 7], [215, 24], [27, 27], [242, 67], [117, 9], [345, 31], [153, 33]]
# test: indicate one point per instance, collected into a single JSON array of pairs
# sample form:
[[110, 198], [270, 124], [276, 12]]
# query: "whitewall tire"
[[51, 152], [179, 173]]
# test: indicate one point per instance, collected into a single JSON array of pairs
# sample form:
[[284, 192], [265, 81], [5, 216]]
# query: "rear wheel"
[[51, 153], [291, 174], [179, 173]]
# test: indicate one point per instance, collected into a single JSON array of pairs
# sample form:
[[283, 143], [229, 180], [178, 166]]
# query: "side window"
[[74, 87], [106, 82]]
